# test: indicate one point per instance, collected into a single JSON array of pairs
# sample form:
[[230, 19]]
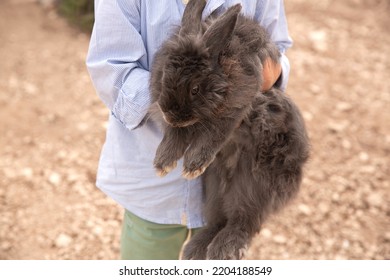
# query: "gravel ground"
[[53, 126]]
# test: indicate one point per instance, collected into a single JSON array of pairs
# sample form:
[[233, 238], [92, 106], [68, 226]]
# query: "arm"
[[271, 15], [116, 60]]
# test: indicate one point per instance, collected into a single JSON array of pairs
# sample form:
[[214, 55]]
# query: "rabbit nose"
[[175, 107], [186, 116], [186, 113]]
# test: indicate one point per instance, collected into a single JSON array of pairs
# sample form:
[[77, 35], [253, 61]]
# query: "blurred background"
[[53, 126]]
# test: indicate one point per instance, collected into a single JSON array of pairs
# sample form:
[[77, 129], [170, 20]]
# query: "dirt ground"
[[53, 126]]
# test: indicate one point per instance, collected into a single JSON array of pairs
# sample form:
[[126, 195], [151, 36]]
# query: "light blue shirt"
[[125, 37]]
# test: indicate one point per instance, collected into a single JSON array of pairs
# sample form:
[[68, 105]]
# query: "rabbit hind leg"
[[196, 249], [230, 243]]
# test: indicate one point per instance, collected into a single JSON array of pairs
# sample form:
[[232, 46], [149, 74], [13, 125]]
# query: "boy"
[[160, 213]]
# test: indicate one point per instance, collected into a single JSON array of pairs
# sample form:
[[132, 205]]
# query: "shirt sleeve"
[[271, 15], [117, 60]]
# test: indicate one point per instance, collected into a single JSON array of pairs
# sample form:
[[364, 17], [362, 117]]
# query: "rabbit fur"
[[250, 147]]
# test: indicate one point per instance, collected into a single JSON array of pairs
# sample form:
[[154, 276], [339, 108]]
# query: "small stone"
[[266, 233], [97, 230], [338, 126], [330, 242], [27, 172], [55, 179], [315, 88], [30, 88], [63, 240], [73, 177], [375, 199], [307, 116], [318, 39], [343, 106], [304, 209], [335, 197], [89, 224], [364, 156], [346, 244], [346, 144], [280, 239], [62, 154]]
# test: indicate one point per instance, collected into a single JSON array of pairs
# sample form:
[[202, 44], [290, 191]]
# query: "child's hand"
[[271, 73]]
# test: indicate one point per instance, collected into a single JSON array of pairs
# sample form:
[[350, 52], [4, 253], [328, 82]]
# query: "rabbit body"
[[251, 147], [255, 173]]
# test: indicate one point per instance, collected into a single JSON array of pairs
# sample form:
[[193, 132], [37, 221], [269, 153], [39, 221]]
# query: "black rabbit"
[[205, 80]]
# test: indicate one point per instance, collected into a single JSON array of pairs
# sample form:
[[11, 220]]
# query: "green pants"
[[144, 240]]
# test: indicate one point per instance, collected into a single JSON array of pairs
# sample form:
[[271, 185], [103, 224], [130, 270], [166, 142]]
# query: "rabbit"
[[203, 79], [249, 146]]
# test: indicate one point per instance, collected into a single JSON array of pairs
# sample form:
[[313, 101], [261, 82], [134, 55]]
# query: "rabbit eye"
[[195, 90], [274, 108]]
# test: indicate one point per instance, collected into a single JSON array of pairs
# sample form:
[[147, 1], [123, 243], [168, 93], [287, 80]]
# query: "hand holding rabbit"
[[271, 73]]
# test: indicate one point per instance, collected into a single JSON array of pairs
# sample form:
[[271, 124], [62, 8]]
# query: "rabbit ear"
[[221, 31], [192, 17]]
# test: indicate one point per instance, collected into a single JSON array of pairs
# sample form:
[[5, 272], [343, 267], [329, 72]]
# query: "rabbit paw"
[[225, 252], [227, 246], [195, 168], [192, 174], [194, 252], [196, 248], [163, 169], [195, 164]]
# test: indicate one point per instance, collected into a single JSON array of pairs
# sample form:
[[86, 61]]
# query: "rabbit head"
[[190, 86]]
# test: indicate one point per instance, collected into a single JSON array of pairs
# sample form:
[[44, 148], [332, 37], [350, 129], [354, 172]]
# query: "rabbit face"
[[189, 83], [192, 91]]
